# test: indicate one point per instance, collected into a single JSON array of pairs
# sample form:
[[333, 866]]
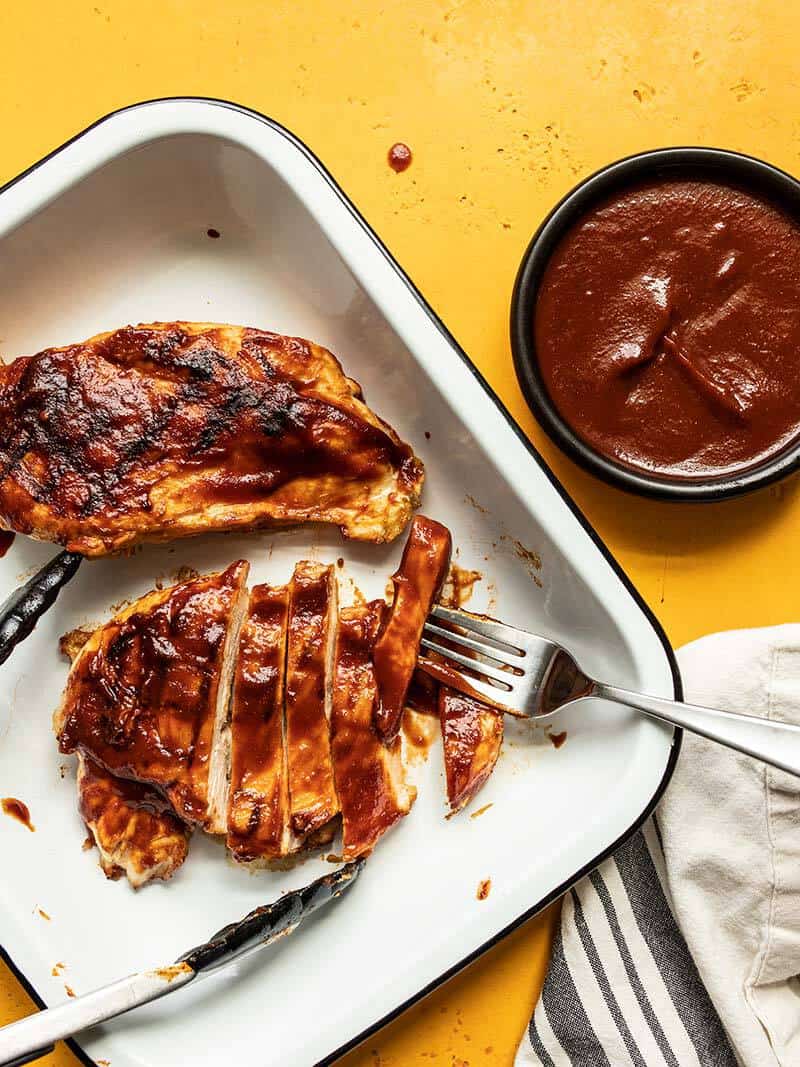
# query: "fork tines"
[[473, 654]]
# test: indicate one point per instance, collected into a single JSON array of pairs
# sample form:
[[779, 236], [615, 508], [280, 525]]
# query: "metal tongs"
[[35, 1036], [26, 605]]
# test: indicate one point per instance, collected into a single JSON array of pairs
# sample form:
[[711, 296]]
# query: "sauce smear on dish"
[[667, 328], [17, 810]]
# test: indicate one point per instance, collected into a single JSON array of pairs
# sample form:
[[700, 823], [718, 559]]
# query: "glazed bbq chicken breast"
[[147, 696], [163, 430], [269, 716], [136, 832]]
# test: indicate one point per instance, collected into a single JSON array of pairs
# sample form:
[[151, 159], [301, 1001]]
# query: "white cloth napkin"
[[684, 947]]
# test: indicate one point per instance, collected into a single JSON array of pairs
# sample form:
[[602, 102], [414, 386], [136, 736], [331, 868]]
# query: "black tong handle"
[[26, 605]]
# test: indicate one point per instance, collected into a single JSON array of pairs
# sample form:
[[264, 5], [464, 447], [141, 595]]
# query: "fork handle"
[[776, 743]]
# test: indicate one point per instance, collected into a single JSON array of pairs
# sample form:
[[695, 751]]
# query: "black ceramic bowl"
[[745, 172]]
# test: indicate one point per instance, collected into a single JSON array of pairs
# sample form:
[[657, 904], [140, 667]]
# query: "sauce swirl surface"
[[667, 328]]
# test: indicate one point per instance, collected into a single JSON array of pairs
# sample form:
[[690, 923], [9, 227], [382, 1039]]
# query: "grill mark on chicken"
[[163, 430]]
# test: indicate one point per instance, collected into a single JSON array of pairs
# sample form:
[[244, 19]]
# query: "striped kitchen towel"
[[683, 949]]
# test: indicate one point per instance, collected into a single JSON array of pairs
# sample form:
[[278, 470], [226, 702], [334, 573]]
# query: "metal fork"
[[530, 676]]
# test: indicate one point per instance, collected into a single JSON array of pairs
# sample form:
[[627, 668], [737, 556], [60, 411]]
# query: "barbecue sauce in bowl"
[[667, 328]]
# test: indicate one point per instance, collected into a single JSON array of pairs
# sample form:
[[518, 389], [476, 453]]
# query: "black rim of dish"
[[733, 168], [558, 891]]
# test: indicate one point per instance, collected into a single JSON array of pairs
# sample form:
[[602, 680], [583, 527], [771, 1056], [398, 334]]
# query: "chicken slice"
[[258, 809], [164, 430], [136, 831], [417, 582], [147, 696], [472, 734], [309, 679], [369, 774]]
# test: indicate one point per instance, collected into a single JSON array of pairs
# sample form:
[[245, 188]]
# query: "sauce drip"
[[6, 541], [484, 888], [481, 811], [17, 810], [557, 740], [667, 327], [400, 157]]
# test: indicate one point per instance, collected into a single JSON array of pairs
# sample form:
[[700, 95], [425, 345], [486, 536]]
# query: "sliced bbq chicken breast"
[[370, 779], [135, 829], [417, 583], [147, 696], [313, 803], [163, 430], [258, 809], [472, 734]]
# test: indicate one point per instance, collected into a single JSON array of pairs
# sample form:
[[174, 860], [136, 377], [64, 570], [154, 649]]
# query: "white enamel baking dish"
[[112, 228]]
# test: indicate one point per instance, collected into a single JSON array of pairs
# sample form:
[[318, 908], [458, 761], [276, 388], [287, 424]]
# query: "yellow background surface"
[[506, 104]]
